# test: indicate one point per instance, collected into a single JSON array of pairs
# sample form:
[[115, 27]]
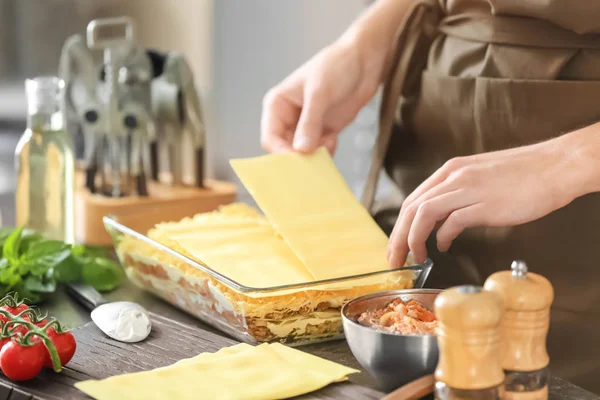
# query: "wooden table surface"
[[361, 386], [99, 357]]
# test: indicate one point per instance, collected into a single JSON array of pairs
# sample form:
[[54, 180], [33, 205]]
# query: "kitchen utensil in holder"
[[134, 106], [469, 365], [527, 300]]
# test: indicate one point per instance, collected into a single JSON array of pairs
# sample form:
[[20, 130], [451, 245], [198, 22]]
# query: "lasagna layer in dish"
[[238, 243], [281, 276]]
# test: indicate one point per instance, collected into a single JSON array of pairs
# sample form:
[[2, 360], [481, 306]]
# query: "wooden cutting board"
[[99, 357]]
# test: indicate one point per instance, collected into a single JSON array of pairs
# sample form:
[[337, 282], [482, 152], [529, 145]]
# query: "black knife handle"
[[154, 161], [86, 295], [90, 178], [200, 168], [140, 185]]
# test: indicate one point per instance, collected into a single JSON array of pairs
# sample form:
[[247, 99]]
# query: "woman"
[[489, 124]]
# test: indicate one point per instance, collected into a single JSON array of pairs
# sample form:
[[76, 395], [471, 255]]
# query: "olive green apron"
[[467, 81]]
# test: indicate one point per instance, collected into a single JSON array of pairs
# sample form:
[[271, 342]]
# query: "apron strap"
[[407, 39]]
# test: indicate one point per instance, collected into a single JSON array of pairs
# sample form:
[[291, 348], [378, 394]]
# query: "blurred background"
[[238, 49]]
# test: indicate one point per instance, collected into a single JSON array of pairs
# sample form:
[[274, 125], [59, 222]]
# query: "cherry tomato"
[[42, 323], [65, 346], [3, 341], [16, 310], [21, 363], [18, 329], [22, 329]]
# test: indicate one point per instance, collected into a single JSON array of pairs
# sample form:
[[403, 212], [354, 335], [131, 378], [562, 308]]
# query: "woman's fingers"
[[458, 221], [410, 204], [277, 144], [280, 114], [398, 244], [330, 142], [431, 212], [278, 121], [288, 125], [310, 130], [435, 179]]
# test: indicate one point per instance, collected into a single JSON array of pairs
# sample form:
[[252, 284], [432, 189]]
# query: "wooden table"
[[361, 386]]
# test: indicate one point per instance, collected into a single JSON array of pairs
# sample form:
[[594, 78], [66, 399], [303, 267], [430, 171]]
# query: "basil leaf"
[[34, 284], [78, 249], [6, 272], [39, 250], [33, 266], [68, 271], [10, 248], [43, 256], [102, 274], [28, 238], [22, 268], [90, 251], [5, 233], [9, 275]]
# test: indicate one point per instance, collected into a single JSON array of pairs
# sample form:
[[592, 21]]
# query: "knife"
[[86, 295]]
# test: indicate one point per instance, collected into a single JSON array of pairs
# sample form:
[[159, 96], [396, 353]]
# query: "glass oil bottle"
[[44, 163]]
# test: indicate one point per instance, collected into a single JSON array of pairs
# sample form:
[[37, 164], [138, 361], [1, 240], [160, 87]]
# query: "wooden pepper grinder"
[[527, 300], [469, 365]]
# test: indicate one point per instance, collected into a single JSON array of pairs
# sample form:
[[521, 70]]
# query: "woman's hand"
[[504, 188], [317, 101]]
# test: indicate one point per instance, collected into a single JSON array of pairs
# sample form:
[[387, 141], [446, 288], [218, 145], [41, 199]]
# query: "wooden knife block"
[[163, 203]]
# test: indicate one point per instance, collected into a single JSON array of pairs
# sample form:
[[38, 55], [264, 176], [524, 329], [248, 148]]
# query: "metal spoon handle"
[[86, 295]]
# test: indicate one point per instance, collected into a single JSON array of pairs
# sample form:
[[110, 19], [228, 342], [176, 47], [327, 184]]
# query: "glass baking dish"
[[294, 314]]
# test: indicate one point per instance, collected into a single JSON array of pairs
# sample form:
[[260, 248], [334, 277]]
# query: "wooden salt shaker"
[[527, 300], [469, 365]]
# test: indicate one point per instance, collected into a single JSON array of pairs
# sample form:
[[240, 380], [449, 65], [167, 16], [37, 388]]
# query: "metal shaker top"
[[522, 290]]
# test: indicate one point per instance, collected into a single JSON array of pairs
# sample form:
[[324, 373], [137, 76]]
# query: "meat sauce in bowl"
[[401, 318]]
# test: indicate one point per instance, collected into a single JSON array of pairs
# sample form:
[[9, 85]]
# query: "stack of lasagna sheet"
[[313, 230]]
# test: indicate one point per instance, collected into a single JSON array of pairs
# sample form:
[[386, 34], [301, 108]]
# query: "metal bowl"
[[392, 360]]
